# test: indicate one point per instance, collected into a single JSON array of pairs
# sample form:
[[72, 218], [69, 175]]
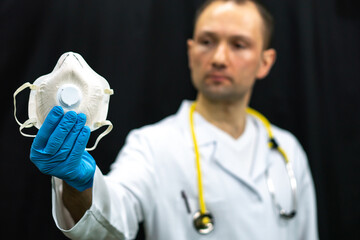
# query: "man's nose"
[[220, 57]]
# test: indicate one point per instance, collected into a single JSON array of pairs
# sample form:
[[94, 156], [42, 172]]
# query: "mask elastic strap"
[[30, 122], [108, 129]]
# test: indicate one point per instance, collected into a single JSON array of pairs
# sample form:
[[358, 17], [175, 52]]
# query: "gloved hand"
[[59, 149]]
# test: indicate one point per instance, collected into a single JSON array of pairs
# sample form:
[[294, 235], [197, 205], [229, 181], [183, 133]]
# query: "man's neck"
[[228, 116]]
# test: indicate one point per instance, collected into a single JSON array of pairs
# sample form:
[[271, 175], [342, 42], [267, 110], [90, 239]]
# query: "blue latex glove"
[[59, 149]]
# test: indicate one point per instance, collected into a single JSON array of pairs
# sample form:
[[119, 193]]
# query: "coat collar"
[[203, 137]]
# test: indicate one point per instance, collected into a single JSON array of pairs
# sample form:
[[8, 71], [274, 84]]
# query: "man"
[[203, 178]]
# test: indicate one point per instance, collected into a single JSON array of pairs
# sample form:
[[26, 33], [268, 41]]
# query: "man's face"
[[226, 54]]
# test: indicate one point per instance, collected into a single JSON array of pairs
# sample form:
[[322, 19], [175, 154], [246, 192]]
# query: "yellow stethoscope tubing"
[[197, 160], [267, 125], [272, 144]]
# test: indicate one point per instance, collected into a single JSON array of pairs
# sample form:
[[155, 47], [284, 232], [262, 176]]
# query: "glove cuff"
[[81, 187]]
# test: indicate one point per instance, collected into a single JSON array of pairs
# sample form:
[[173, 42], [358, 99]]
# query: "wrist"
[[80, 186], [76, 202]]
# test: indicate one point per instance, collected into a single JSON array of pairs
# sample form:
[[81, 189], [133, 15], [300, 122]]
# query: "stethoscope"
[[203, 220]]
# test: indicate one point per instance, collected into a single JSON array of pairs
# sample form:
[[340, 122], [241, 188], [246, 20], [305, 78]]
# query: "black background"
[[140, 48]]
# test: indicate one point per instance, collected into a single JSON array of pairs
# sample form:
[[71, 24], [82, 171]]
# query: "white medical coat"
[[157, 164]]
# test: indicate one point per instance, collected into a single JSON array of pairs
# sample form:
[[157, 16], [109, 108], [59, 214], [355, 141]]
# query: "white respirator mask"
[[74, 86]]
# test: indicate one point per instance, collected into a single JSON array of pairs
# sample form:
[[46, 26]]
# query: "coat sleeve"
[[307, 210], [120, 199]]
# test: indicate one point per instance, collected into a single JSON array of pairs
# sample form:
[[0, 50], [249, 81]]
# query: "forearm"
[[76, 202]]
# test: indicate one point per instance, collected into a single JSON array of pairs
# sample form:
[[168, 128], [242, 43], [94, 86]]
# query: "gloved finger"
[[80, 144], [73, 134], [61, 131], [47, 128]]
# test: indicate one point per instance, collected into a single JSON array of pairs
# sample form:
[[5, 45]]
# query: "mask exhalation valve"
[[69, 96]]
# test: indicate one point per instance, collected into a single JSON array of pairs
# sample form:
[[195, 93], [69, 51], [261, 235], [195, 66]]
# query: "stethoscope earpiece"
[[203, 223], [287, 215]]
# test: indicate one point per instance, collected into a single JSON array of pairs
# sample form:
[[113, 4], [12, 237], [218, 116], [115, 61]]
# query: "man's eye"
[[239, 45], [205, 42]]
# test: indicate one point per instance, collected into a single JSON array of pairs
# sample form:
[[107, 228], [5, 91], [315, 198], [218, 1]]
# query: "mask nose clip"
[[70, 55]]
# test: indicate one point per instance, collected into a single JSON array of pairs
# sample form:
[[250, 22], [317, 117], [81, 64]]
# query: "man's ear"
[[267, 61], [190, 43]]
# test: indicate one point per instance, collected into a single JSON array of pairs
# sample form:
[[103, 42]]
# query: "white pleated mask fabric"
[[74, 86]]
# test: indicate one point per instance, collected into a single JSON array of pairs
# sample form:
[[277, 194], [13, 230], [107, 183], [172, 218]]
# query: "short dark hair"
[[264, 13]]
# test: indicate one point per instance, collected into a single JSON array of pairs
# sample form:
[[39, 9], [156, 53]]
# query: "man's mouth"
[[217, 77]]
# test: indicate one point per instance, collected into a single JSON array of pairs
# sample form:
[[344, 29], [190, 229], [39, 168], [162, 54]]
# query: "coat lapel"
[[224, 156], [261, 158]]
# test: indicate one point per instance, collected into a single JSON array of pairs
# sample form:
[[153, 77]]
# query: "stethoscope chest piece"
[[203, 223]]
